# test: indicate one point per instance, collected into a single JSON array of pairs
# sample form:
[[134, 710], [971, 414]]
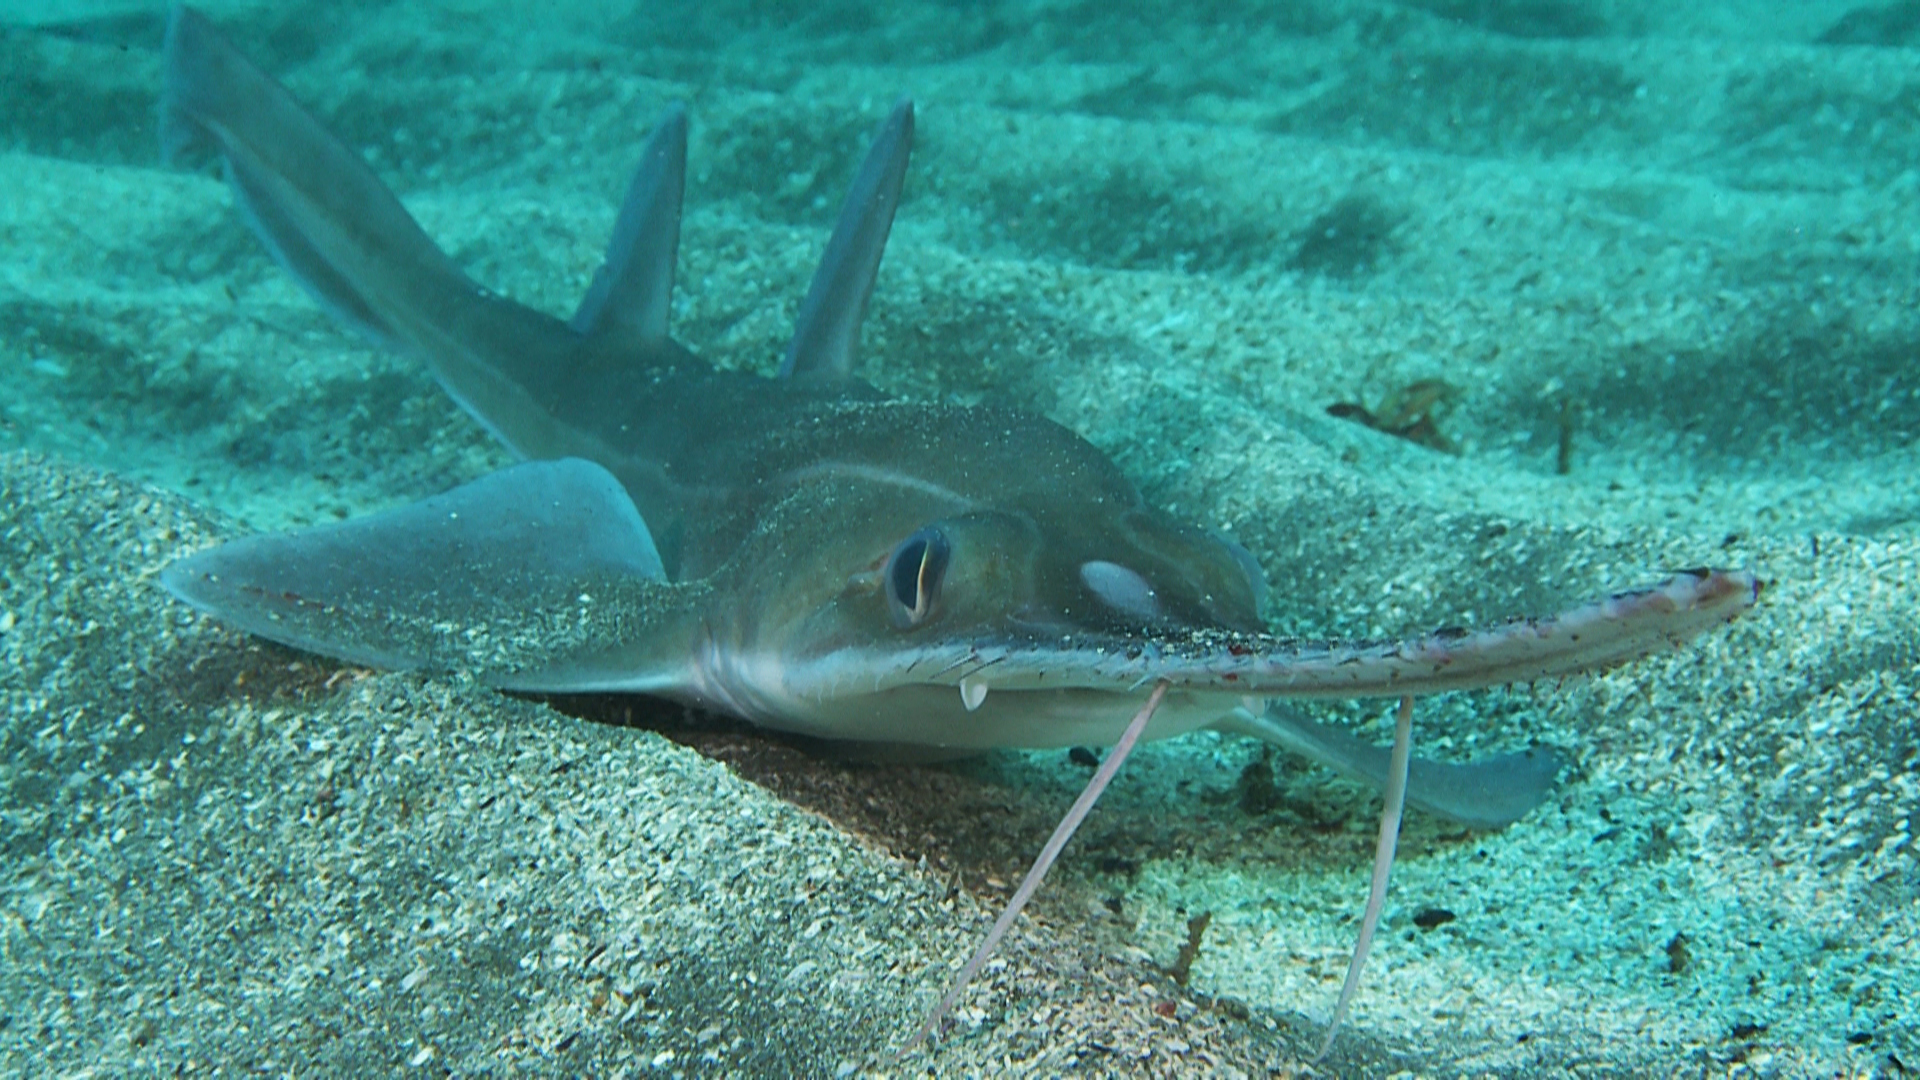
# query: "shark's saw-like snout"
[[802, 551]]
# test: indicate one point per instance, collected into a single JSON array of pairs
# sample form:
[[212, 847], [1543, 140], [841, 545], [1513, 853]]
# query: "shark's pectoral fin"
[[827, 334], [539, 577], [1490, 793]]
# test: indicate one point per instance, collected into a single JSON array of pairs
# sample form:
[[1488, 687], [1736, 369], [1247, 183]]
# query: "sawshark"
[[801, 551]]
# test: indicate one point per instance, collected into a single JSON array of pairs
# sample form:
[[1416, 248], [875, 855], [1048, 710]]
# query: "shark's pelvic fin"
[[510, 576], [826, 338], [632, 292]]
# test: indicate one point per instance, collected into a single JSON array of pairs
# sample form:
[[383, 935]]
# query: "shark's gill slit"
[[1061, 834]]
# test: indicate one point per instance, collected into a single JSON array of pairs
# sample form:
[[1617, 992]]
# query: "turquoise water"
[[1656, 264]]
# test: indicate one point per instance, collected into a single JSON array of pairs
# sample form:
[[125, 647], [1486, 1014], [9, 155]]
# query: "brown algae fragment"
[[1412, 412]]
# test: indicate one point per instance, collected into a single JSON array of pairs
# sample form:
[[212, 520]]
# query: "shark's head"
[[890, 561], [1022, 593], [1031, 532]]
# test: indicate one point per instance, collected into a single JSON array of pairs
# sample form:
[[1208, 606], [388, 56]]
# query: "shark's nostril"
[[1121, 589]]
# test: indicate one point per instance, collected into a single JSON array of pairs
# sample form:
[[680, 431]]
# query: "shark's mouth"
[[1583, 639]]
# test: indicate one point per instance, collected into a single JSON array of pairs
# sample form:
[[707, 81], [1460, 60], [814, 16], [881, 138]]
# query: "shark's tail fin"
[[311, 200], [344, 236]]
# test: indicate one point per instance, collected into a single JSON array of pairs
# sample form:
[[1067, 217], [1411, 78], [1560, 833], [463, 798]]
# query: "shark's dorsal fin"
[[826, 336], [533, 577], [632, 293]]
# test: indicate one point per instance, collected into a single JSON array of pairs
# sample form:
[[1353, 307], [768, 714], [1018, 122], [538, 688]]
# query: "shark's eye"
[[913, 576]]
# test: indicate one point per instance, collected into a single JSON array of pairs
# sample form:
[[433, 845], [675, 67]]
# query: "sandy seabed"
[[1664, 264]]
